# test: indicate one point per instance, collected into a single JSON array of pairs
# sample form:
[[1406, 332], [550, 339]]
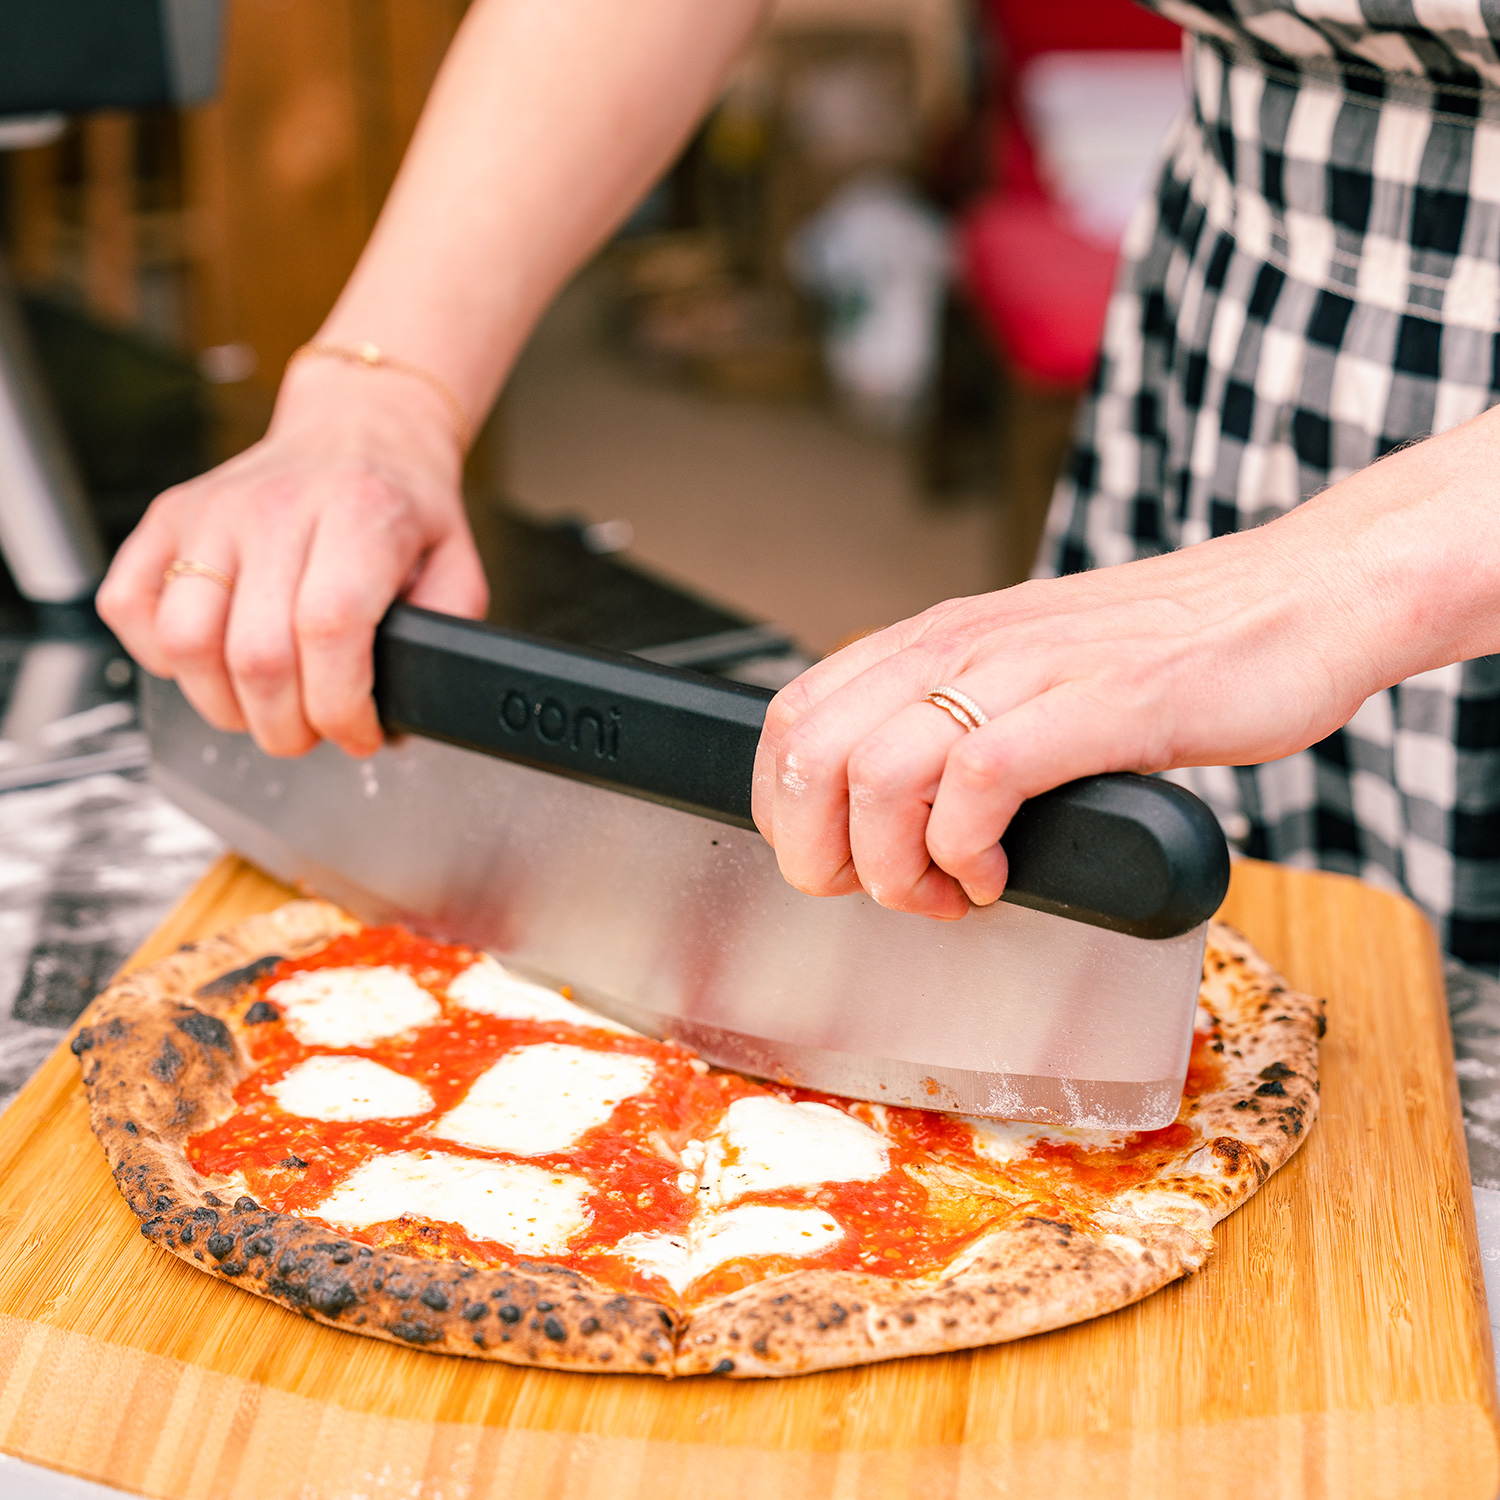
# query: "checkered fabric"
[[1315, 282]]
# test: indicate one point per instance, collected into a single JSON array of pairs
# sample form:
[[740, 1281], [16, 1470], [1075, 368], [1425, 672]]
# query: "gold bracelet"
[[372, 357]]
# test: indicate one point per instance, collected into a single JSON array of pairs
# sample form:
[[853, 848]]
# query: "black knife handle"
[[675, 736], [1126, 852]]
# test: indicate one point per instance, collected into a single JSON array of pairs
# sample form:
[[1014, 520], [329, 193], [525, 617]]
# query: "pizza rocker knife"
[[585, 816]]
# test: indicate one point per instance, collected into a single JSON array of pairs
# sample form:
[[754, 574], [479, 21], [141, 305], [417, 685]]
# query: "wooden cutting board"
[[1337, 1344]]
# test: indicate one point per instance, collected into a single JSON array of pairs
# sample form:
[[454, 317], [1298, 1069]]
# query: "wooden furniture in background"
[[34, 213], [1336, 1346], [109, 265], [281, 178], [286, 170]]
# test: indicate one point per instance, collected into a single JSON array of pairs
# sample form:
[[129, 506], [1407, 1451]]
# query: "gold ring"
[[960, 705], [183, 567]]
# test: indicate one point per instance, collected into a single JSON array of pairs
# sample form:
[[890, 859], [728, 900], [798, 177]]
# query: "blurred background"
[[824, 374]]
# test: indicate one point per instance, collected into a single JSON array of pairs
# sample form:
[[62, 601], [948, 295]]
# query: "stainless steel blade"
[[681, 926]]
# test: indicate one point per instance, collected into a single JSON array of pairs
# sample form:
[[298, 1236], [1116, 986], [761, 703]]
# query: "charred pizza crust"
[[161, 1060], [161, 1056], [1043, 1274], [1047, 1274]]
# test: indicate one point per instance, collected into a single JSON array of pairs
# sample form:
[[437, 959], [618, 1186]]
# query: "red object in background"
[[1039, 287]]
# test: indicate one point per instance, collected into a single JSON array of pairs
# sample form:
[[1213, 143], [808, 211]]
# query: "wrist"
[[361, 407], [1410, 549]]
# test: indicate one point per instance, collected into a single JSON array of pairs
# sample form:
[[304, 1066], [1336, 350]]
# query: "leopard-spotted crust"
[[161, 1060], [161, 1056], [1041, 1274]]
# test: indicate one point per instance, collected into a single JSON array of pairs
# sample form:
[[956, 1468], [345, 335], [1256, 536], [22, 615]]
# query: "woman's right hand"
[[351, 500]]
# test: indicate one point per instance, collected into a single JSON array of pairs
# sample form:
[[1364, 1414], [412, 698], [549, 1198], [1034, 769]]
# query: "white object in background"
[[87, 722], [880, 257], [1098, 120], [227, 364], [935, 30], [27, 132], [47, 531], [47, 733], [850, 113]]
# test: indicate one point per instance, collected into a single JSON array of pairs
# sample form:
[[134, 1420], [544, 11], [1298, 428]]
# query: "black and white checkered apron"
[[1315, 282]]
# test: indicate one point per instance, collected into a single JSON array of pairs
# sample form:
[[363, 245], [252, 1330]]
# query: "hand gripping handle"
[[1126, 852]]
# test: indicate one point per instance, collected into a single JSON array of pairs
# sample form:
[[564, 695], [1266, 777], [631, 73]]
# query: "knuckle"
[[799, 757], [113, 601], [260, 663], [188, 641], [832, 881], [343, 722], [948, 852], [328, 619], [222, 716], [379, 507], [166, 504], [267, 506], [274, 494], [888, 894], [791, 704], [286, 744], [976, 762], [877, 767]]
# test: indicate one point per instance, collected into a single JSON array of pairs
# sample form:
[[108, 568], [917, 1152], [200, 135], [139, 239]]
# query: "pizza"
[[401, 1138]]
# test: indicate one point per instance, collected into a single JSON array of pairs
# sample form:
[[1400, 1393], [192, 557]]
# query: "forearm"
[[1409, 550], [548, 121]]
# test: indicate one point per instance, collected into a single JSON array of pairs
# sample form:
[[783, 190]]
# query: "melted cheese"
[[765, 1143], [756, 1229], [530, 1209], [348, 1088], [352, 1007], [488, 987], [1010, 1140], [750, 1231], [543, 1098], [657, 1254]]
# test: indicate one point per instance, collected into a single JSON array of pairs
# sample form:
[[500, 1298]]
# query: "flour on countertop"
[[1474, 1007], [87, 869]]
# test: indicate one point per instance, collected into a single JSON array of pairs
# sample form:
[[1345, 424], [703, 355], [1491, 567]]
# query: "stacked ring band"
[[189, 567], [960, 705]]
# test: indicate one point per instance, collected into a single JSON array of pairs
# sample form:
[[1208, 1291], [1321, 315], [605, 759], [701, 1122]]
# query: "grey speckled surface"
[[1474, 1006], [87, 869]]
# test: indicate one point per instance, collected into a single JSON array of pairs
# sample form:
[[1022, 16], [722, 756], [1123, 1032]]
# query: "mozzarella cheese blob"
[[488, 987], [352, 1007], [765, 1143], [1010, 1140], [348, 1088], [753, 1229], [758, 1229], [543, 1098], [529, 1209], [657, 1254]]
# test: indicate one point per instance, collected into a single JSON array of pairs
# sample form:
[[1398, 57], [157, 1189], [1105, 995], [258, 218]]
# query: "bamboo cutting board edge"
[[206, 1427], [1384, 1448]]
